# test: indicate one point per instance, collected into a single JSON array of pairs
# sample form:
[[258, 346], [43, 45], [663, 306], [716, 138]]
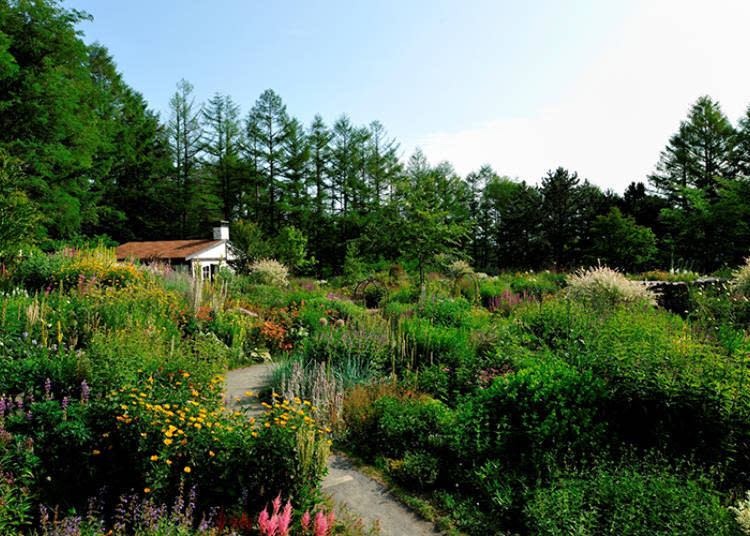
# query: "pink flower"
[[272, 526], [321, 525], [263, 521], [276, 504], [285, 519], [306, 520]]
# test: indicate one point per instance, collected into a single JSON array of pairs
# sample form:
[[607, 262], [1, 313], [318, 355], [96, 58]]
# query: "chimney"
[[221, 230]]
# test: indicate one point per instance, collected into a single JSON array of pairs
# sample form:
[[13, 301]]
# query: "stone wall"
[[675, 295]]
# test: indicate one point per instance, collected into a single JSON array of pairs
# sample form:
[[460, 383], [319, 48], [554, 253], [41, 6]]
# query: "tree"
[[291, 249], [129, 175], [561, 206], [185, 142], [296, 162], [48, 120], [700, 151], [20, 221], [427, 226], [382, 162], [223, 140], [618, 241], [266, 126], [319, 138]]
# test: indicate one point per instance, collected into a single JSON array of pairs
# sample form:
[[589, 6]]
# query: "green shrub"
[[339, 345], [36, 271], [269, 272], [627, 502], [455, 312], [539, 284], [546, 409], [418, 470], [410, 424], [740, 283]]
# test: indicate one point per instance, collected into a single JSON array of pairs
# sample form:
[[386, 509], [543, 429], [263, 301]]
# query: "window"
[[206, 272]]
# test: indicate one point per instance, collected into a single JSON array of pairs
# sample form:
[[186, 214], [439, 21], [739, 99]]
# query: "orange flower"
[[96, 452], [187, 469]]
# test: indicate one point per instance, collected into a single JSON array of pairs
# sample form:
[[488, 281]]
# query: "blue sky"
[[597, 87]]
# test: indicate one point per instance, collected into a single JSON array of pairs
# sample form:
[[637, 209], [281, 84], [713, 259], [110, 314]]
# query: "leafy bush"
[[740, 283], [742, 513], [546, 409], [627, 502], [603, 288], [444, 311], [338, 345], [269, 272], [539, 284]]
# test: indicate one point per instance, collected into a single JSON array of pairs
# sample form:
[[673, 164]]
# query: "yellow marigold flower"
[[267, 425], [169, 462], [211, 453], [154, 458], [248, 393], [167, 442], [187, 469], [254, 434], [96, 452], [146, 490], [143, 434]]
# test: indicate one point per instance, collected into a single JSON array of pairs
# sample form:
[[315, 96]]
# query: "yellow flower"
[[96, 452], [211, 453], [167, 442], [248, 393], [147, 490], [169, 462], [154, 458], [187, 469]]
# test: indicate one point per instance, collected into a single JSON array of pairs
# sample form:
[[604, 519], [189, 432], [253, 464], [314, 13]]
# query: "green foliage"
[[269, 272], [20, 223], [740, 283], [627, 501], [620, 242], [291, 249]]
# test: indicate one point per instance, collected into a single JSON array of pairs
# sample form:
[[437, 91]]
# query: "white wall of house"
[[212, 258]]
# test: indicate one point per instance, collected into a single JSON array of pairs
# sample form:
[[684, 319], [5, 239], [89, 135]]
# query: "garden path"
[[363, 495]]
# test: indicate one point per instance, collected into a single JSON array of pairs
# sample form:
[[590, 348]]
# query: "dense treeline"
[[92, 158]]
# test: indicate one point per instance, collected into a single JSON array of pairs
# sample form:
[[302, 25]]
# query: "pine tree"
[[223, 143], [266, 131], [296, 171], [185, 136], [701, 151]]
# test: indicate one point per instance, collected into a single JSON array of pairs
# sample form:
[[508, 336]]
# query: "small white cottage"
[[209, 255]]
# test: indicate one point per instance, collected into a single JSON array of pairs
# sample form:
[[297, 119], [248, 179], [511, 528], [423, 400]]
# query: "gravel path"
[[344, 482]]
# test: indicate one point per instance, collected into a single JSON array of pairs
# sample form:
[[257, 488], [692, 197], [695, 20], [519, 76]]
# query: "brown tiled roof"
[[164, 249]]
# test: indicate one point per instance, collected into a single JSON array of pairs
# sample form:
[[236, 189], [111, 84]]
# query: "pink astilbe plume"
[[285, 519], [276, 504], [305, 521], [321, 525], [263, 521]]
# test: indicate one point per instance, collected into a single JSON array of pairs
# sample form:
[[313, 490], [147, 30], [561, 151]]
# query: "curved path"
[[344, 482]]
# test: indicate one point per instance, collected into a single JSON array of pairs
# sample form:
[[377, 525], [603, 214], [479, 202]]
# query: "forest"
[[84, 155]]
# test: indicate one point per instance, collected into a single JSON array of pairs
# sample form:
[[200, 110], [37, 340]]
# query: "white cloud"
[[633, 94]]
